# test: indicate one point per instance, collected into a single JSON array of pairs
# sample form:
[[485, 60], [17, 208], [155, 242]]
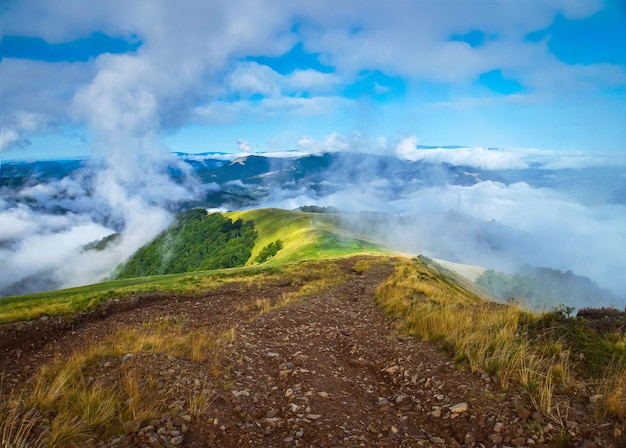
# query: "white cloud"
[[190, 66], [406, 149], [252, 78], [335, 142], [224, 112], [244, 146], [506, 158], [189, 69], [488, 159], [311, 81], [8, 139]]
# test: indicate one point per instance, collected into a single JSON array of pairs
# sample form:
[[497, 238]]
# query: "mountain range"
[[249, 180]]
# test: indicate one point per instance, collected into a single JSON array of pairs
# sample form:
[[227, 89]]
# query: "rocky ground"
[[329, 370]]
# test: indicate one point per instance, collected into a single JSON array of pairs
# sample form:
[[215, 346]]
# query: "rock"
[[400, 398], [498, 427], [357, 363], [288, 393], [437, 441], [178, 440], [496, 438], [469, 438], [132, 426], [593, 399], [524, 414], [436, 413], [459, 408], [371, 428], [520, 441]]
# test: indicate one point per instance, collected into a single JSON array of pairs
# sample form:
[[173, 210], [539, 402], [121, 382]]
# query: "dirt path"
[[329, 370]]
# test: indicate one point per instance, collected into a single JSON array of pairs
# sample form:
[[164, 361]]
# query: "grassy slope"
[[84, 298], [306, 236], [429, 302]]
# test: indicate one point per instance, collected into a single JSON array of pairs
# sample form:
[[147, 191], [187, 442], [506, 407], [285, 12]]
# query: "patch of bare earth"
[[328, 370]]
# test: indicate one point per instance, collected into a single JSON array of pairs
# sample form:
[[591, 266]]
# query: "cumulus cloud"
[[407, 148], [191, 67], [186, 74], [253, 78], [244, 146], [9, 138], [335, 142]]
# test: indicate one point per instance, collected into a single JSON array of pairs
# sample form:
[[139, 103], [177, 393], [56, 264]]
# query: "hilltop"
[[328, 342], [201, 241]]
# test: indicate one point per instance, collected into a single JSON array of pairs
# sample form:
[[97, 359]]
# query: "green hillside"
[[197, 241], [242, 266], [303, 235]]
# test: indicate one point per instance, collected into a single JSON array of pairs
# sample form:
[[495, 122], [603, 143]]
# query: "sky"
[[257, 76], [126, 83]]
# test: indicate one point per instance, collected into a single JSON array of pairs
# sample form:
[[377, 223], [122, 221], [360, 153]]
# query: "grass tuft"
[[64, 398], [483, 334], [613, 391]]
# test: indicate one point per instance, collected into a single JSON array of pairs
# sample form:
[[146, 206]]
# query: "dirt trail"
[[329, 370]]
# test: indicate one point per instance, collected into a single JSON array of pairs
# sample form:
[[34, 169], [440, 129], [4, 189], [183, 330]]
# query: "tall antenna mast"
[[459, 204]]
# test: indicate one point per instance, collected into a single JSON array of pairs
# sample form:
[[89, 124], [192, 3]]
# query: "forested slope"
[[197, 241]]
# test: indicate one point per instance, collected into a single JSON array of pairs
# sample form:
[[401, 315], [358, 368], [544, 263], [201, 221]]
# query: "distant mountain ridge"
[[248, 180]]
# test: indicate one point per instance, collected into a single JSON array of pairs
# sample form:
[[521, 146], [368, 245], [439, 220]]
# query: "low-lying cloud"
[[493, 224], [482, 218]]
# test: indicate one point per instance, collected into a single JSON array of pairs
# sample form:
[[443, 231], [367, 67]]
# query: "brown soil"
[[329, 370]]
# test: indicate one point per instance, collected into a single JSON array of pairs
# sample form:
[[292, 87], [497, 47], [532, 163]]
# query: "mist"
[[125, 187], [44, 228], [501, 209], [501, 225]]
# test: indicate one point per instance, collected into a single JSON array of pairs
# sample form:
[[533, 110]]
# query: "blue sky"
[[252, 75]]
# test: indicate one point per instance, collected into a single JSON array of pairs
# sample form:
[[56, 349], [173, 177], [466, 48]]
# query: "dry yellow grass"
[[16, 426], [311, 277], [613, 391], [76, 408], [478, 332]]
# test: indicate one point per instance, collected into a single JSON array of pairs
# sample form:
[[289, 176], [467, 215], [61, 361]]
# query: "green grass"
[[67, 302], [305, 236]]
